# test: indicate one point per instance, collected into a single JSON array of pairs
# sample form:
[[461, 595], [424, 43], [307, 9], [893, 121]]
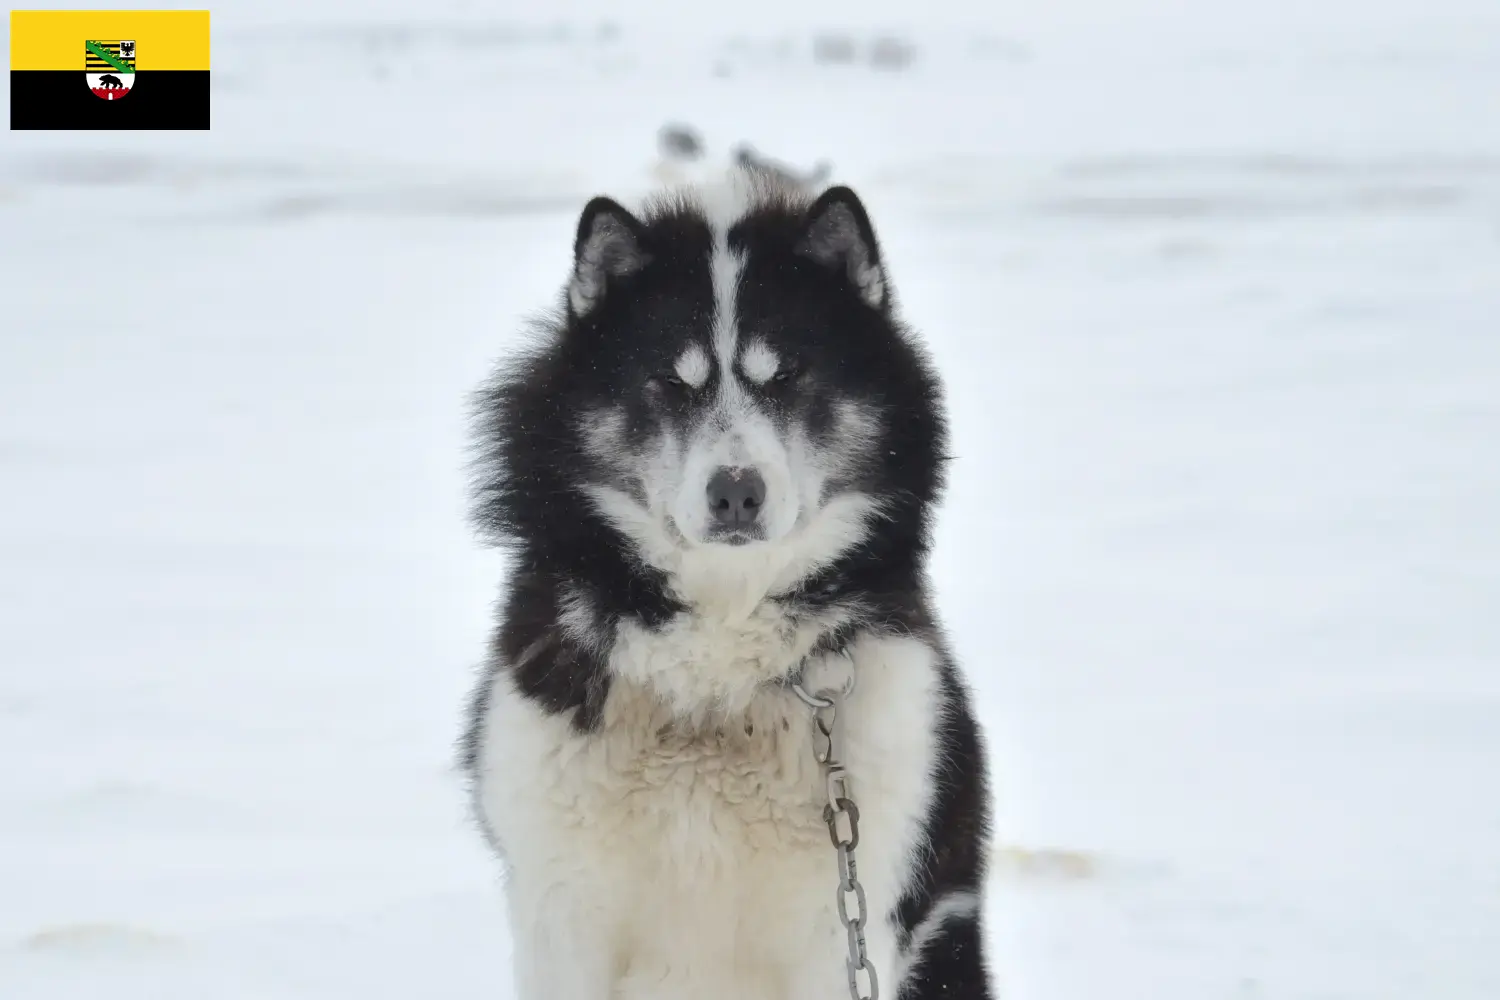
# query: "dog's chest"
[[697, 836], [712, 830], [710, 790]]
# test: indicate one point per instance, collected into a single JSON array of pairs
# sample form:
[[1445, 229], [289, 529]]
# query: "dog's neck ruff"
[[710, 666]]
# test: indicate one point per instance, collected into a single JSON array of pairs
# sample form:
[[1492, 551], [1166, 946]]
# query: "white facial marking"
[[693, 366], [759, 362], [723, 205], [727, 265]]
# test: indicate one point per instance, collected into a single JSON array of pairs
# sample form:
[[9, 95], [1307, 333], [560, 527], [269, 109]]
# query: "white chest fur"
[[676, 854]]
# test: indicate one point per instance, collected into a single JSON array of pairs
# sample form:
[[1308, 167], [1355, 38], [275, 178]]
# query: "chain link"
[[842, 818]]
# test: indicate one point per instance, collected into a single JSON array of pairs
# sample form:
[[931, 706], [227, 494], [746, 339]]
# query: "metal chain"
[[842, 817]]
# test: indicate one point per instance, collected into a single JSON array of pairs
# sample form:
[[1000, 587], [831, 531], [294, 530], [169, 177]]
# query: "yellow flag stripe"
[[53, 39]]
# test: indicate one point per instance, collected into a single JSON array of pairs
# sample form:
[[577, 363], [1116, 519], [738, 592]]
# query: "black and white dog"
[[716, 470]]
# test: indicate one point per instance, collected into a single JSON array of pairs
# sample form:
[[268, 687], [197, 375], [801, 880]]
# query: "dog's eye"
[[785, 374]]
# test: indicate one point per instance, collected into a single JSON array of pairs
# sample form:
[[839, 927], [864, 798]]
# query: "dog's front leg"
[[564, 944]]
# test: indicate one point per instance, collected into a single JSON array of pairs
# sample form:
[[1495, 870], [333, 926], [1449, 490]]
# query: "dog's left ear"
[[837, 234]]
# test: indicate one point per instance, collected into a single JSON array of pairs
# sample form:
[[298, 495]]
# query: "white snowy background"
[[1216, 289]]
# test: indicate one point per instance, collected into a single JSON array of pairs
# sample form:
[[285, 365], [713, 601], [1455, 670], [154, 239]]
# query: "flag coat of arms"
[[109, 69]]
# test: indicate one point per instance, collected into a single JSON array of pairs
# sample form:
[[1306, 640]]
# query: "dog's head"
[[730, 390]]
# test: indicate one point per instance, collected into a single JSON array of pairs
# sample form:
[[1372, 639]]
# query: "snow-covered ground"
[[1217, 291]]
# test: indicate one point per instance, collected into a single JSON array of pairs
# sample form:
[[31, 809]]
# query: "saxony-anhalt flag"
[[109, 69]]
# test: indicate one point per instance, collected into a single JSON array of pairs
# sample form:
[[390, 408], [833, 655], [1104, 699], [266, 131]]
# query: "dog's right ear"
[[610, 246]]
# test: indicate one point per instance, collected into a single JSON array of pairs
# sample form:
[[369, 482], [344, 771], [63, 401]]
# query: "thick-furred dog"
[[715, 471]]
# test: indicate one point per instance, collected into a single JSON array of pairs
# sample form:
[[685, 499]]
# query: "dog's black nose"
[[735, 496]]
